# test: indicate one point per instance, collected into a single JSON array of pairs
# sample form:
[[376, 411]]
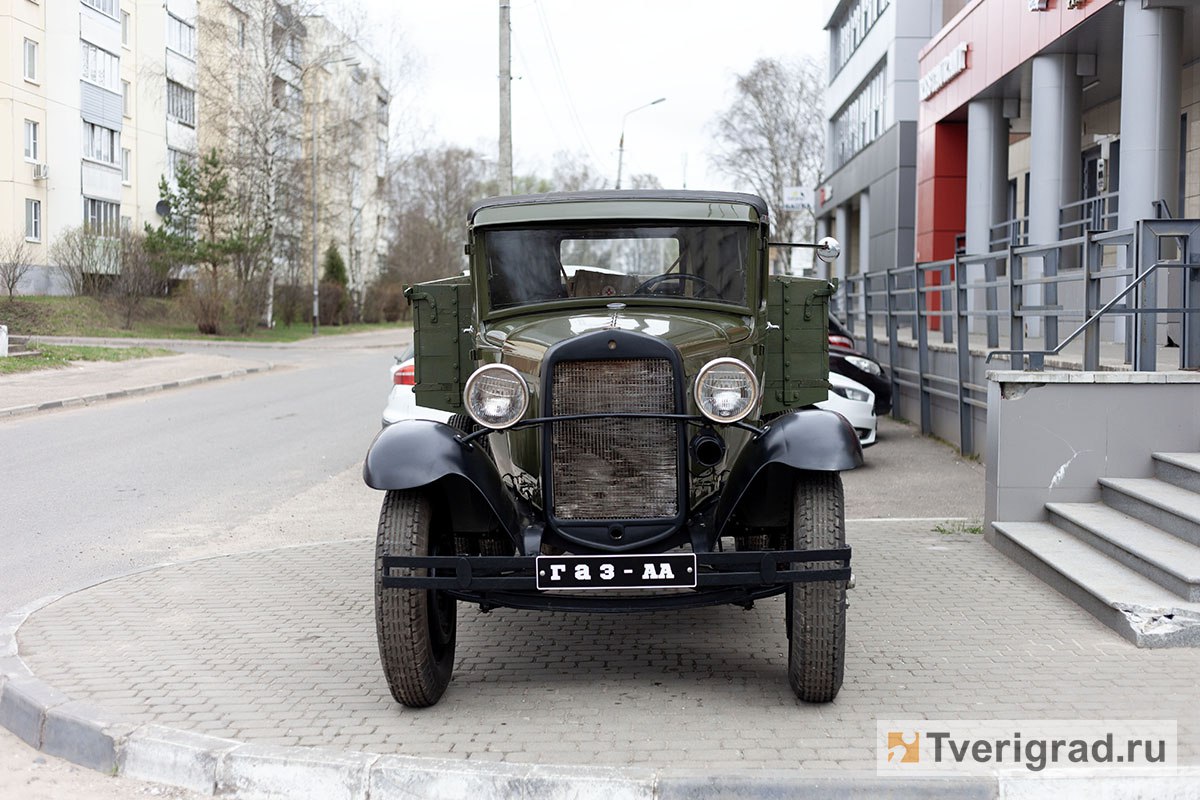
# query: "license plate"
[[674, 570]]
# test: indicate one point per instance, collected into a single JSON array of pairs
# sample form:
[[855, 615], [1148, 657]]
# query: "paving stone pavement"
[[278, 648]]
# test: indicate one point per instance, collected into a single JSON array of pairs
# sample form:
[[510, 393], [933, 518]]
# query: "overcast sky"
[[579, 67]]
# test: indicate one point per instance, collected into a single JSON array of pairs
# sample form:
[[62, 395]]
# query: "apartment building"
[[96, 96], [101, 99], [349, 131]]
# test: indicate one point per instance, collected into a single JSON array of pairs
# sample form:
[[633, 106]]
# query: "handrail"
[[1037, 357]]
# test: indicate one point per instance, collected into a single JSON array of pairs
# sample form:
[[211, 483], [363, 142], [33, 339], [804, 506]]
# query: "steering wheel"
[[648, 286]]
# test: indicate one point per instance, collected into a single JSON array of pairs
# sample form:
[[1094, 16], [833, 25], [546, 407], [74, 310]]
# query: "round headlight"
[[726, 390], [496, 396]]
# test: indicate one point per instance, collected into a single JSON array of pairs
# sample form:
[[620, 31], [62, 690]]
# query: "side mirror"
[[828, 249]]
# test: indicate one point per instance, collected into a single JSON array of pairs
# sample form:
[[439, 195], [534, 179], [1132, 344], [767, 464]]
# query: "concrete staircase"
[[1132, 560], [19, 346]]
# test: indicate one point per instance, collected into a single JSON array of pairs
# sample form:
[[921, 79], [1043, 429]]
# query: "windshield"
[[536, 265]]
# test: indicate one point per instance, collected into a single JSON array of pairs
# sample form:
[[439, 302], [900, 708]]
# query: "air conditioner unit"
[[41, 172]]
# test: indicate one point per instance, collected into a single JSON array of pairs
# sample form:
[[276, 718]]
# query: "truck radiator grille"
[[614, 468]]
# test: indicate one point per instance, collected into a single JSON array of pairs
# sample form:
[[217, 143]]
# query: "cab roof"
[[620, 204]]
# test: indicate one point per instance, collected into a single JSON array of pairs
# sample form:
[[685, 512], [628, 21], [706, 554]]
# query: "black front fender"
[[811, 439], [417, 453]]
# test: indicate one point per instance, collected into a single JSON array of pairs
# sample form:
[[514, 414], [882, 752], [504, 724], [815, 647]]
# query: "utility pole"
[[506, 166]]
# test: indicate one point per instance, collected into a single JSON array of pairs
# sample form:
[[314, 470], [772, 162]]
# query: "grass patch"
[[58, 356], [158, 318], [959, 526]]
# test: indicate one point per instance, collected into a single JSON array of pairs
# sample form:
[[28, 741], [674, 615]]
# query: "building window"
[[125, 28], [108, 7], [31, 140], [31, 59], [101, 144], [33, 220], [125, 98], [851, 28], [181, 103], [860, 121], [125, 159], [101, 216], [176, 159], [100, 67], [181, 37]]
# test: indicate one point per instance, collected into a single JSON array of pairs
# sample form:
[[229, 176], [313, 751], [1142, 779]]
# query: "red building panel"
[[1001, 36]]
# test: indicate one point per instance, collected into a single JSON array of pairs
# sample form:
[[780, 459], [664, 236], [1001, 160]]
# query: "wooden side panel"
[[441, 311], [797, 343]]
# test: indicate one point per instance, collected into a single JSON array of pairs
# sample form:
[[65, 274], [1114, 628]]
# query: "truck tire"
[[816, 612], [416, 628]]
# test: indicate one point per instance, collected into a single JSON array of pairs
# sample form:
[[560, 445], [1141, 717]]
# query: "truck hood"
[[525, 340]]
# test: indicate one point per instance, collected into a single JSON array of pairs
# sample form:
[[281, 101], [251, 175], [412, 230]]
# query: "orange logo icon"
[[903, 748]]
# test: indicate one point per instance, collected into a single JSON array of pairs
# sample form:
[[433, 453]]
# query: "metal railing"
[[942, 298]]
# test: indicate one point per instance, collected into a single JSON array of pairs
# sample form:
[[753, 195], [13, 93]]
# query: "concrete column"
[[842, 234], [987, 171], [1150, 107], [987, 189], [1055, 132]]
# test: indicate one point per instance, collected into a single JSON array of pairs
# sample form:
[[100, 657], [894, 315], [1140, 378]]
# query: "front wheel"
[[416, 628], [816, 614]]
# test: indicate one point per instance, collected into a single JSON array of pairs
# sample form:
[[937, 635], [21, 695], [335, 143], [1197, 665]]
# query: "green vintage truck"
[[633, 431]]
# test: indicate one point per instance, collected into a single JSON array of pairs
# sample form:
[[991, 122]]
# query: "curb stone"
[[85, 734], [85, 400], [178, 758], [264, 771]]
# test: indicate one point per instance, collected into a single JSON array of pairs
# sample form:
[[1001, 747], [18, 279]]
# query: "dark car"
[[840, 335], [635, 410], [861, 367]]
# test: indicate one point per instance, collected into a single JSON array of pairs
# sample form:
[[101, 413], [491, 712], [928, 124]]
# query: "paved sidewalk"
[[275, 650], [88, 382]]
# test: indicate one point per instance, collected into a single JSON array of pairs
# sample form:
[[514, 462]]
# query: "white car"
[[401, 402], [856, 403], [849, 398]]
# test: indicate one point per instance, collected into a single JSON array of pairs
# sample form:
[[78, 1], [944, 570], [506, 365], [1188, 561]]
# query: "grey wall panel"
[[100, 106]]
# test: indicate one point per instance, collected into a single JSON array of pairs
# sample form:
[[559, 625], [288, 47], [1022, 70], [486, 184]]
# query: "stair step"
[[1171, 508], [1169, 561], [1131, 604], [1180, 469]]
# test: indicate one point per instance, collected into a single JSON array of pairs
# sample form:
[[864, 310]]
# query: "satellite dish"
[[162, 208]]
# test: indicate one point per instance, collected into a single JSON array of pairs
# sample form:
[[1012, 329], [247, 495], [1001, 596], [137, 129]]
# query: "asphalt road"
[[95, 491]]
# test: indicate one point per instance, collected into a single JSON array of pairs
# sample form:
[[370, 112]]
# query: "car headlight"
[[857, 395], [865, 364], [726, 390], [496, 396]]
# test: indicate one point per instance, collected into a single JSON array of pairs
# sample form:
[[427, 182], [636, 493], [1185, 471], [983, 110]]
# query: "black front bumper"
[[737, 578]]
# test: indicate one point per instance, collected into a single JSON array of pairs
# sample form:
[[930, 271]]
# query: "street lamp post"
[[621, 147]]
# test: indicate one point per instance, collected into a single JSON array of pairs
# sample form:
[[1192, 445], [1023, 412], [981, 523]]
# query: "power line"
[[556, 65]]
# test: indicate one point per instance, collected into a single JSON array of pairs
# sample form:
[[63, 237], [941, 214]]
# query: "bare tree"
[[570, 173], [432, 193], [139, 277], [81, 255], [15, 262], [772, 136], [251, 93]]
